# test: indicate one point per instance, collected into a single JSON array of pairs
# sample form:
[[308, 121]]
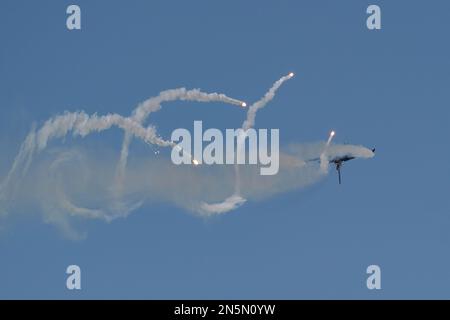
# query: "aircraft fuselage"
[[341, 159]]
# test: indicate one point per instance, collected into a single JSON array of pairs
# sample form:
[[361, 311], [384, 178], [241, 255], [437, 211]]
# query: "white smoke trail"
[[253, 109], [141, 113], [342, 150], [235, 201], [59, 208], [82, 124], [323, 155], [231, 203], [63, 200], [23, 158]]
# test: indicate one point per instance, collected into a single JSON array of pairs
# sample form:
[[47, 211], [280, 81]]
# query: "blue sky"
[[386, 88]]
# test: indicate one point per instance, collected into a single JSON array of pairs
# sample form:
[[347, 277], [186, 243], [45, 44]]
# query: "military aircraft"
[[338, 161], [345, 153]]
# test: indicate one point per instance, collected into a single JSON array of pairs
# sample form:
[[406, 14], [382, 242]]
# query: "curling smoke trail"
[[141, 113], [251, 117], [61, 198], [253, 109], [82, 124], [236, 200]]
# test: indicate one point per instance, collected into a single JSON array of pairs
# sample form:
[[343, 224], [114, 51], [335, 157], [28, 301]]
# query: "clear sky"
[[387, 89]]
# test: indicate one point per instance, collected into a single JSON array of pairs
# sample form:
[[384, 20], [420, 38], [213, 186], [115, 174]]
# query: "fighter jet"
[[343, 156], [338, 161]]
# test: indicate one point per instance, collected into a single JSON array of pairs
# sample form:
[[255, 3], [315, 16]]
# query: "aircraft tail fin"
[[339, 174]]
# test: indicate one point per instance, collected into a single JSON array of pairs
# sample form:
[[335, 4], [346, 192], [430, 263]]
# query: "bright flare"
[[195, 162], [243, 105], [291, 74], [332, 133]]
